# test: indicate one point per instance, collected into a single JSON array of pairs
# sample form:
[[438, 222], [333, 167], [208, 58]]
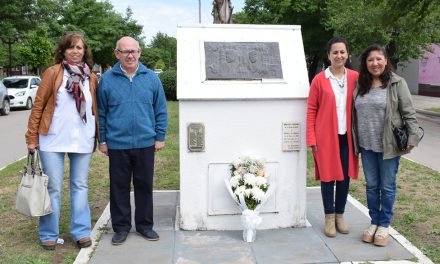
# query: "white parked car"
[[22, 90], [4, 100]]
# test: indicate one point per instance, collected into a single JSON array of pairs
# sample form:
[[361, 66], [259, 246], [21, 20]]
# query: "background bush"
[[169, 82]]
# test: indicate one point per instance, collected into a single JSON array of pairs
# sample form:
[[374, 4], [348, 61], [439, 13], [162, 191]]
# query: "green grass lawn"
[[434, 109], [417, 209]]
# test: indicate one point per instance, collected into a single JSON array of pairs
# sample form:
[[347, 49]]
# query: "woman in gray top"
[[382, 102]]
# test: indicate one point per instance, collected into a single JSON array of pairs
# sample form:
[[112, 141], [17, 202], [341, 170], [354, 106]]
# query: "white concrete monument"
[[242, 90]]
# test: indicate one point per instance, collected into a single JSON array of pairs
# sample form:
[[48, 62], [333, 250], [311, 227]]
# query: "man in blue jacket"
[[133, 122]]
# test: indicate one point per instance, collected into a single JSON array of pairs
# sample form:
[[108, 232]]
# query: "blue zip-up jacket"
[[132, 114]]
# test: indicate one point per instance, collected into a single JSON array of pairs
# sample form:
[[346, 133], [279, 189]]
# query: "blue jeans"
[[380, 175], [80, 222]]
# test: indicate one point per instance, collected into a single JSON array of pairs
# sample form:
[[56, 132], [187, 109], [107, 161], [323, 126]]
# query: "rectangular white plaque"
[[291, 136]]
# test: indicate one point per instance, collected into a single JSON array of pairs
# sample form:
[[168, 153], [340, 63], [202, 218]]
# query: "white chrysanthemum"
[[258, 194], [240, 190], [248, 192], [249, 179], [259, 163], [253, 169], [235, 181], [260, 181], [241, 170], [236, 173], [237, 163]]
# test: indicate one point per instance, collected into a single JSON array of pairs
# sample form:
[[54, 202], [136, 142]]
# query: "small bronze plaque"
[[196, 137]]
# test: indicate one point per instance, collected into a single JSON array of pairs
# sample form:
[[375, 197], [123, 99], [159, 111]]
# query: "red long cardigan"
[[322, 129]]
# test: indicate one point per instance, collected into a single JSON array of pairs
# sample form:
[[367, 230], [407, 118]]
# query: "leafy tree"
[[168, 48], [307, 13], [36, 48], [150, 56], [101, 24], [159, 64], [15, 19], [405, 28]]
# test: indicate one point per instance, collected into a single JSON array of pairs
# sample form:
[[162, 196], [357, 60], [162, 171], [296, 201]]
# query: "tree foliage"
[[307, 13], [102, 26], [167, 46], [36, 49], [405, 28]]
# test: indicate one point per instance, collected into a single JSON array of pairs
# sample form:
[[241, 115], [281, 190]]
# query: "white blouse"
[[340, 91], [67, 132]]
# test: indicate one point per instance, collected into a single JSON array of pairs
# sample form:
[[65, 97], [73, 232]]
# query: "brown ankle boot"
[[341, 226], [330, 229]]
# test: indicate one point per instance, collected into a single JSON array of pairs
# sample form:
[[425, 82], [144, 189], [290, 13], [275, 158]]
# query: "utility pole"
[[200, 12]]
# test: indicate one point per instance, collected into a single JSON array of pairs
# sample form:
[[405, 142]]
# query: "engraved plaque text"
[[291, 136]]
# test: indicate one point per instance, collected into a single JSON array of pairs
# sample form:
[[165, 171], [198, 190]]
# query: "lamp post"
[[10, 40]]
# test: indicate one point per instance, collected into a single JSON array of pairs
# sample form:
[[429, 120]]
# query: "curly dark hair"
[[365, 79], [67, 41]]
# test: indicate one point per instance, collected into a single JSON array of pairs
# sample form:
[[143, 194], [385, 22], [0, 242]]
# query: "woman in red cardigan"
[[329, 134]]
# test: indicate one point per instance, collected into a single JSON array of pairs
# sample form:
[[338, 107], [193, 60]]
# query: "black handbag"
[[401, 135]]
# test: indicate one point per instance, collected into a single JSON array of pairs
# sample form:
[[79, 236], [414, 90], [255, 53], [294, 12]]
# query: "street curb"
[[100, 227], [85, 254], [426, 112], [422, 258]]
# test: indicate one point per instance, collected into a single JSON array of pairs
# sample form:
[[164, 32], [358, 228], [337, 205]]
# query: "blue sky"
[[164, 15]]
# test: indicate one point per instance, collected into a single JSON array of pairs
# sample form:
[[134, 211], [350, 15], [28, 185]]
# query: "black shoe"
[[148, 234], [119, 238]]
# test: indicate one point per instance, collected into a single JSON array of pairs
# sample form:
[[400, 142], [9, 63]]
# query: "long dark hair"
[[365, 79], [67, 41]]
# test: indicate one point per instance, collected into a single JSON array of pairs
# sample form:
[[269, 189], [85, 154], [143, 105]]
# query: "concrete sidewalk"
[[423, 103], [287, 245]]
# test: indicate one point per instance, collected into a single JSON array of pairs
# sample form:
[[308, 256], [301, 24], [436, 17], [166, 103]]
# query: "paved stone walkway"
[[287, 245]]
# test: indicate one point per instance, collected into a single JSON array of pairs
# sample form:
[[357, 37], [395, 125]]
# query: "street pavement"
[[426, 152], [12, 142]]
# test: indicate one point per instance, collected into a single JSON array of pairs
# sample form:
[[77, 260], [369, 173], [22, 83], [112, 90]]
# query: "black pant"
[[332, 203], [123, 164]]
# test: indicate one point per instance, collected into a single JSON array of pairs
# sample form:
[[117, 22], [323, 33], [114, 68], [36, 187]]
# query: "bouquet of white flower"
[[249, 187]]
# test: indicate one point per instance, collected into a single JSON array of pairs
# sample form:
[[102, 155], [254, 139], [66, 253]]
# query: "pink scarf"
[[75, 85]]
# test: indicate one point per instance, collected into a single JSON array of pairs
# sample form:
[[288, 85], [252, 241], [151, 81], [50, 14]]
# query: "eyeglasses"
[[128, 52], [68, 33]]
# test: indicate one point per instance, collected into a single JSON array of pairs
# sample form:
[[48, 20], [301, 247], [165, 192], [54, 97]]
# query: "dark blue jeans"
[[380, 175], [335, 203]]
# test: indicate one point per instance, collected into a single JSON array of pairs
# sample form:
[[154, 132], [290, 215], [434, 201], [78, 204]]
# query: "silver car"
[[4, 100], [22, 90]]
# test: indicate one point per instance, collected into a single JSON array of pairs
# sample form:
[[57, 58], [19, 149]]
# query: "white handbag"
[[33, 197]]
